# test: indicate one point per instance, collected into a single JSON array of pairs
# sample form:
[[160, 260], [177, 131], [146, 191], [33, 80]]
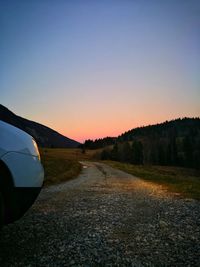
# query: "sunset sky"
[[91, 69]]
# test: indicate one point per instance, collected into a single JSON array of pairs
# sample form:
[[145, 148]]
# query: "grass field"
[[179, 180], [62, 164]]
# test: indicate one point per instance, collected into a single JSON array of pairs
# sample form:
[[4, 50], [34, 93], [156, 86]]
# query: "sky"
[[90, 69]]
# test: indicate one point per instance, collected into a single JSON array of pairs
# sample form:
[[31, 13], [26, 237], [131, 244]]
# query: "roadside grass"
[[183, 181], [62, 164], [68, 153]]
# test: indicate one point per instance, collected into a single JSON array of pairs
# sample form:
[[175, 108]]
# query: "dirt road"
[[104, 217]]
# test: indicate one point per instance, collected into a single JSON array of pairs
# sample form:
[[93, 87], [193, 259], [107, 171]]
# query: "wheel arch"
[[6, 181], [6, 189]]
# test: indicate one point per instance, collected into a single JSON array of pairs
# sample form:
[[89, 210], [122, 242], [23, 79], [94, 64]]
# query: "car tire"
[[1, 210]]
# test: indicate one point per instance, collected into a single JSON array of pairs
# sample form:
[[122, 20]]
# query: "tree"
[[115, 152], [105, 154], [137, 152], [188, 151], [161, 155], [125, 153]]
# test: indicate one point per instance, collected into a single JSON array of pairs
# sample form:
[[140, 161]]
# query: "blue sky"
[[94, 68]]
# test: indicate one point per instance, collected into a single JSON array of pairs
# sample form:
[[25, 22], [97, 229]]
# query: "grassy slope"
[[178, 180], [62, 164]]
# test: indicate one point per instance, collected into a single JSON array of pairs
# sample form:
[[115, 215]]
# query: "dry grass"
[[179, 180], [68, 153], [62, 164]]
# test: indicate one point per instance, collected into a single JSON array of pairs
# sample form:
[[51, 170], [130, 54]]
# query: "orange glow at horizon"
[[93, 133], [88, 77]]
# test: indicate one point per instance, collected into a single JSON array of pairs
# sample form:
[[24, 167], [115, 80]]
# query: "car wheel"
[[1, 210]]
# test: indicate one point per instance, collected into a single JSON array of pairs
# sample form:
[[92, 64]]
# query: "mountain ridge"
[[44, 135], [172, 143]]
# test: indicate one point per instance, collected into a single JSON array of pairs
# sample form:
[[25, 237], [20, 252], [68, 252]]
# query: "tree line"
[[173, 143]]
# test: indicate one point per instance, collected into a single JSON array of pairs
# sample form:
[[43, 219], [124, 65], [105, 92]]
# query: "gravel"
[[105, 217]]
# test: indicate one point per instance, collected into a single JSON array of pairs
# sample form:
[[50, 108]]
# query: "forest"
[[172, 143]]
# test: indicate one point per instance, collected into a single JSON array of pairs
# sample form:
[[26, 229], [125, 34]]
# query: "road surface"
[[105, 217]]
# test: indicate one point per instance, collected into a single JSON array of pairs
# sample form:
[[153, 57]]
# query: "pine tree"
[[137, 152]]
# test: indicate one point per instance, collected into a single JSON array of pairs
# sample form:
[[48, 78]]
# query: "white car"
[[21, 172]]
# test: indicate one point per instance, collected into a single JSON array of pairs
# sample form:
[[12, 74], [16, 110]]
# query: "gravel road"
[[105, 217]]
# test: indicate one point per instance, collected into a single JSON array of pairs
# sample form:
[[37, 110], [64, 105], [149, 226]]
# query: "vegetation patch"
[[172, 143], [179, 180], [60, 165]]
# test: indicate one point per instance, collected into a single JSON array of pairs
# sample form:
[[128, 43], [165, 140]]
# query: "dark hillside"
[[175, 143], [45, 136]]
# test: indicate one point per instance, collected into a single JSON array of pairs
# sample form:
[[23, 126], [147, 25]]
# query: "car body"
[[21, 172]]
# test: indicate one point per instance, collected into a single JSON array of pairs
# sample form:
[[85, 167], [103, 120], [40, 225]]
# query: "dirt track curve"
[[105, 217]]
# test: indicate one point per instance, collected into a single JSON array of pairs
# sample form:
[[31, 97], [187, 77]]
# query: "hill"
[[45, 136], [175, 142]]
